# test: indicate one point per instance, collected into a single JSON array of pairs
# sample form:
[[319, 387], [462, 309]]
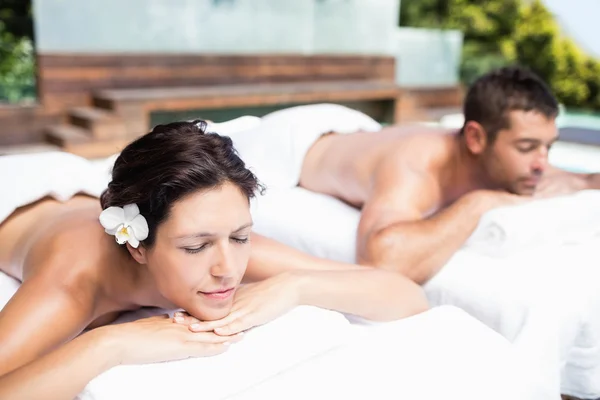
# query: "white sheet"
[[544, 300], [312, 353], [442, 354]]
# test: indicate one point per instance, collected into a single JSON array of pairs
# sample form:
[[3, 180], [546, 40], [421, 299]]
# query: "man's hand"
[[559, 184]]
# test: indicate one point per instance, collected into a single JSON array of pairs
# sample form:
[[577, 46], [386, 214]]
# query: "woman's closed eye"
[[241, 240], [198, 249], [194, 250]]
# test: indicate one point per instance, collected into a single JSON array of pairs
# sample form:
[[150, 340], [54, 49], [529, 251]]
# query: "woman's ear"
[[475, 137], [138, 254]]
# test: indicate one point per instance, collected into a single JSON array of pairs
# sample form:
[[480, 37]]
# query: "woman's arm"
[[39, 360], [63, 373], [283, 278], [43, 314], [373, 294], [269, 258], [349, 288]]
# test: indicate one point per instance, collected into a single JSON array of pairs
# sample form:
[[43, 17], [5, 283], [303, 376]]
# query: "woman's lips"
[[218, 294]]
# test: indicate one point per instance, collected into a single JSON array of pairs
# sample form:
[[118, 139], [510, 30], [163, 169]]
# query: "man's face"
[[516, 160]]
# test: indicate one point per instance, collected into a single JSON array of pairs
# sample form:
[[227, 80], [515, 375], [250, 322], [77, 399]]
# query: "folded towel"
[[275, 149], [29, 177], [555, 221], [26, 178], [239, 124], [264, 352]]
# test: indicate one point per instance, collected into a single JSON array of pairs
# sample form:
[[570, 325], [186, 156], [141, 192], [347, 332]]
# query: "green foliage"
[[503, 32], [17, 67]]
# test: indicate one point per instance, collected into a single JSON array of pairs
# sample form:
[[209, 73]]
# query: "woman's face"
[[202, 250]]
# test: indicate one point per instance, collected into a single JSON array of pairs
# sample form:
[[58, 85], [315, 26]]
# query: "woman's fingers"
[[184, 318], [205, 326], [208, 350], [212, 338], [241, 323]]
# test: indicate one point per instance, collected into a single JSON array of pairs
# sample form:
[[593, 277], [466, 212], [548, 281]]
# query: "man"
[[422, 190]]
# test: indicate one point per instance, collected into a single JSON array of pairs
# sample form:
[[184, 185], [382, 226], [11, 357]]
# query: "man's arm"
[[593, 181], [558, 182], [395, 234]]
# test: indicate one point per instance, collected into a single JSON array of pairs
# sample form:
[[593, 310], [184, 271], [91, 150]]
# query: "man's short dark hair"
[[493, 95]]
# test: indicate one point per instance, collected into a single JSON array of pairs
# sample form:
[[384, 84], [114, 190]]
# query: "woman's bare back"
[[65, 245], [32, 227]]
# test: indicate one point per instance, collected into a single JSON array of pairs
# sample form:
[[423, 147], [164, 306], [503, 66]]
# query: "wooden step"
[[436, 97], [101, 123], [78, 141], [63, 135], [98, 149]]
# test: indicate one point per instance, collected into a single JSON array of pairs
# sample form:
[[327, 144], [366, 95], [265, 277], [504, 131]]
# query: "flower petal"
[[133, 242], [112, 217], [139, 227], [112, 231], [131, 211], [131, 237]]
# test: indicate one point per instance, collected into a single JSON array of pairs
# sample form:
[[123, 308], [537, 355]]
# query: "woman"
[[172, 230]]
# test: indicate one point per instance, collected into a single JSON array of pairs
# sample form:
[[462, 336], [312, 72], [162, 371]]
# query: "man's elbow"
[[387, 251]]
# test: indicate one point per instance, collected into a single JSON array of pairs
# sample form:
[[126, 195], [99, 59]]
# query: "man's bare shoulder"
[[409, 170], [420, 153]]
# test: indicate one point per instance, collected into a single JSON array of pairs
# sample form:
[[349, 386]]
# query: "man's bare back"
[[347, 166]]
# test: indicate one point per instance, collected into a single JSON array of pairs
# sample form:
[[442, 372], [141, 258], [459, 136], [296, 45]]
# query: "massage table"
[[541, 298], [314, 353]]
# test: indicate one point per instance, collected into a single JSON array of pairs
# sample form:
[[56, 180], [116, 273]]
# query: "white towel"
[[544, 300], [27, 178], [264, 352], [275, 149], [441, 354], [232, 126], [555, 221]]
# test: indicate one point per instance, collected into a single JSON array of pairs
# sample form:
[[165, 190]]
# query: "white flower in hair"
[[127, 224]]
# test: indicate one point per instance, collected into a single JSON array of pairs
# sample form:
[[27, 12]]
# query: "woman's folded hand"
[[158, 339], [254, 304]]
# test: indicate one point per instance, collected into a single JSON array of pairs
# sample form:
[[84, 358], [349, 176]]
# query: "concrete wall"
[[215, 26], [425, 57]]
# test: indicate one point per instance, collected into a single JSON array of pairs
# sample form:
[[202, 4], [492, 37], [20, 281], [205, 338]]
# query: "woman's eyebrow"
[[241, 228], [208, 234]]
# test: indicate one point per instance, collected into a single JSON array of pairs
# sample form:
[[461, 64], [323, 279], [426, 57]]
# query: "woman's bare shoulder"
[[72, 247]]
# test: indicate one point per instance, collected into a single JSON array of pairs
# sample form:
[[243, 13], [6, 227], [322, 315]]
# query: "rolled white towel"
[[556, 221]]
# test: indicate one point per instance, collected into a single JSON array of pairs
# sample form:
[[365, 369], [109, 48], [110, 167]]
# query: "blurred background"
[[88, 76]]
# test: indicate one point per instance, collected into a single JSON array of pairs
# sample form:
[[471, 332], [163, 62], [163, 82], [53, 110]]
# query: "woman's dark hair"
[[171, 162]]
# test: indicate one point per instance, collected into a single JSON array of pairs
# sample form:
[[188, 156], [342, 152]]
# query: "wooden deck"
[[94, 104]]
